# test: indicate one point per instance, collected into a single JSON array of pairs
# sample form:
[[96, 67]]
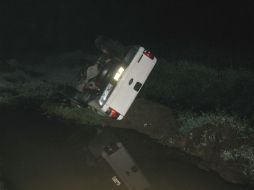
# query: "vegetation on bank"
[[78, 114], [200, 88], [205, 92]]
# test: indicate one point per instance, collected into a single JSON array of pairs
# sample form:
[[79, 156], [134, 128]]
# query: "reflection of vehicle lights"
[[118, 73]]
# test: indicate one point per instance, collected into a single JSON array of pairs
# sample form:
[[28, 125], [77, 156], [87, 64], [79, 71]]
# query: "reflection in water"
[[40, 153], [106, 145]]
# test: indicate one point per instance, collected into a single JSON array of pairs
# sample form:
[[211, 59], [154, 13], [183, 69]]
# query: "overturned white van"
[[127, 80]]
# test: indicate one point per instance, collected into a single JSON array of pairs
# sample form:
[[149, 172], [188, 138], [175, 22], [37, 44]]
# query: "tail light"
[[149, 54], [113, 113]]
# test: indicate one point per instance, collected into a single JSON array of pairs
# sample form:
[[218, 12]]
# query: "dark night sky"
[[38, 24]]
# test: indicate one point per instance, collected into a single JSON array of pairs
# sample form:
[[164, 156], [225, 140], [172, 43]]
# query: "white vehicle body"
[[117, 99]]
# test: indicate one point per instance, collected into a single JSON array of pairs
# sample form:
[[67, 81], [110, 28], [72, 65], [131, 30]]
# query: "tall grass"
[[196, 87]]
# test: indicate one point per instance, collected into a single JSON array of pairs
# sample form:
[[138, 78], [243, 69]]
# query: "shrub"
[[79, 115], [190, 120]]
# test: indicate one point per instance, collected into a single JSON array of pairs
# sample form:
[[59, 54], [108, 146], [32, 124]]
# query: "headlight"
[[118, 73]]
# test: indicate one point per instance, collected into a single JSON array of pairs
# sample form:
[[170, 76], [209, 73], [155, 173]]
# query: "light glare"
[[119, 73]]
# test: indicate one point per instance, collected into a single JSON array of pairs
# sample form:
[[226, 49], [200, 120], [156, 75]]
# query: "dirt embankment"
[[221, 148]]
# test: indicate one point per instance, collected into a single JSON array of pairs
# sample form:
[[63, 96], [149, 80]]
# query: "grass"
[[243, 154], [190, 120], [200, 88], [77, 114]]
